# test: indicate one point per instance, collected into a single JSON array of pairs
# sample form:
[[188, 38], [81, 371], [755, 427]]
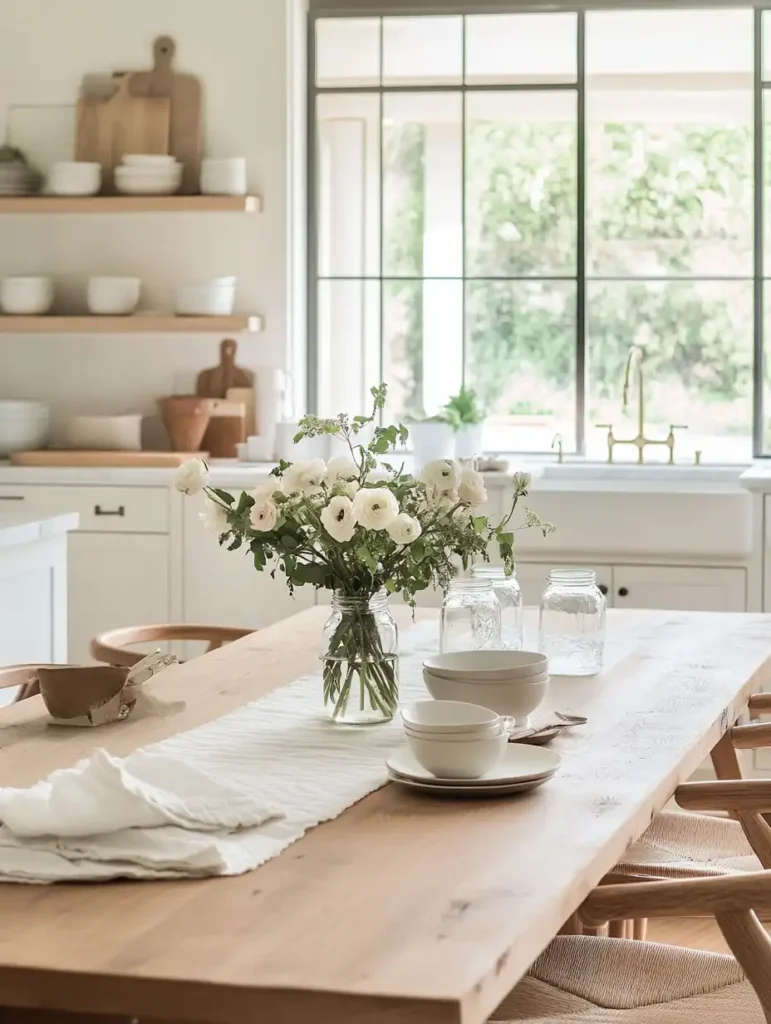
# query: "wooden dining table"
[[404, 909]]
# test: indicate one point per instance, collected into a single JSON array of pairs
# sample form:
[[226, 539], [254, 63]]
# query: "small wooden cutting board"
[[216, 382]]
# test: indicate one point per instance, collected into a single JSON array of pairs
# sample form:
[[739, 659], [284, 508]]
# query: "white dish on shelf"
[[112, 296], [224, 177], [75, 178], [26, 296], [148, 181], [23, 425], [104, 433], [150, 161], [213, 298]]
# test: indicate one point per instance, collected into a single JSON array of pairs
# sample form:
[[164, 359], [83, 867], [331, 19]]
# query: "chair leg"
[[572, 926], [724, 759], [617, 929], [640, 928], [600, 931]]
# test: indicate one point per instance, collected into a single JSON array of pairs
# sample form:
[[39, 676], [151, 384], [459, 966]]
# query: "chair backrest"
[[23, 676], [111, 647]]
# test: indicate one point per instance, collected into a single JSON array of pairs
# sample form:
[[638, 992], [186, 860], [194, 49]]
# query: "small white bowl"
[[141, 181], [487, 665], [75, 178], [23, 426], [448, 716], [104, 433], [448, 759], [512, 700], [455, 737], [112, 296], [149, 161], [204, 300], [26, 296], [224, 177]]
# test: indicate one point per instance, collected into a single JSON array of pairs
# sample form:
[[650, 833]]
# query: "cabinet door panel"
[[115, 580], [223, 588], [680, 588]]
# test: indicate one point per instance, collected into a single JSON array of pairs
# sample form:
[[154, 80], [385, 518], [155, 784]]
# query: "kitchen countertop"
[[17, 528], [571, 476]]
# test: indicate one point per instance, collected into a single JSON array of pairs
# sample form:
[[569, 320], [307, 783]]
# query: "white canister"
[[468, 441], [224, 177], [430, 440]]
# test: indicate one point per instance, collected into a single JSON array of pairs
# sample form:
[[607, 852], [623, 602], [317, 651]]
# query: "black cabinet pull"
[[11, 497], [119, 511], [603, 590], [623, 592]]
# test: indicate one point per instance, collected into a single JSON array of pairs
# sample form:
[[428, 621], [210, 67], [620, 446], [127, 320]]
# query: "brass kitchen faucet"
[[635, 358]]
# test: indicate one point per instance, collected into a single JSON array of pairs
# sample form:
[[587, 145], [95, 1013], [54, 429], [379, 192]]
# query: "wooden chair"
[[581, 978], [110, 647]]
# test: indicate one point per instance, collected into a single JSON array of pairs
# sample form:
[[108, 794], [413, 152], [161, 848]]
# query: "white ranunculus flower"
[[439, 499], [338, 518], [472, 488], [348, 488], [375, 508], [522, 483], [263, 515], [267, 489], [404, 529], [214, 517], [441, 474], [305, 477], [192, 476], [341, 468]]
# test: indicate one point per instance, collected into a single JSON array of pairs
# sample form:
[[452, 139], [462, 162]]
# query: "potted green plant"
[[466, 417]]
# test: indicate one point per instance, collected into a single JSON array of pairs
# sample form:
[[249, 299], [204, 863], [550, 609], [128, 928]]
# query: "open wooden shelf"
[[137, 324], [130, 204]]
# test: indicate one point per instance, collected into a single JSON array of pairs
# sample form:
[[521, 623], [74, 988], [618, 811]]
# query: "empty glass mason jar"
[[510, 598], [471, 617], [572, 623]]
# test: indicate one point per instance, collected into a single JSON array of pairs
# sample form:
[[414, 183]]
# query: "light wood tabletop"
[[404, 909]]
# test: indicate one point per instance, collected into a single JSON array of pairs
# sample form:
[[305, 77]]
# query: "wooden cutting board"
[[185, 94], [215, 382], [108, 129], [104, 460], [226, 429]]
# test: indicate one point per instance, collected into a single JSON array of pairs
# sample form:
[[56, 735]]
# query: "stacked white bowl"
[[143, 174], [112, 296], [74, 178], [23, 425], [453, 739], [206, 298], [511, 683]]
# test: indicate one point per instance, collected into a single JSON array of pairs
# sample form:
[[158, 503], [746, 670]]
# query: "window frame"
[[761, 89]]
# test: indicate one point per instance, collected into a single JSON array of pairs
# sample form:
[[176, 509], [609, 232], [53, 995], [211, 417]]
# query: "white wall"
[[239, 50]]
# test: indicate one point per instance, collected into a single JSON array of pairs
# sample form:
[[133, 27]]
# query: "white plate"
[[509, 789], [519, 763]]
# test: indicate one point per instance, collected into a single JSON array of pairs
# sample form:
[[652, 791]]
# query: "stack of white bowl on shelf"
[[143, 174], [24, 425], [26, 296], [74, 178], [512, 683], [206, 298]]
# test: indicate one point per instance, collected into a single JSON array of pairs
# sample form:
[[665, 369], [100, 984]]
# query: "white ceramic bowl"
[[104, 433], [26, 296], [112, 296], [514, 700], [488, 665], [447, 717], [75, 178], [455, 737], [453, 759], [148, 181], [224, 177], [23, 426], [205, 299], [150, 161]]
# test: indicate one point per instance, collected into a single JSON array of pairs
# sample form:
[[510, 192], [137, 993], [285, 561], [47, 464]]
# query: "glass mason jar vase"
[[360, 660], [510, 599], [471, 617], [572, 623]]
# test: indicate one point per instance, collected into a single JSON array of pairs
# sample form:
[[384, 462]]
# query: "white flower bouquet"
[[360, 528]]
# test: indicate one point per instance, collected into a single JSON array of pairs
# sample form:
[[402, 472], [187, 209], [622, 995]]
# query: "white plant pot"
[[431, 441], [468, 442]]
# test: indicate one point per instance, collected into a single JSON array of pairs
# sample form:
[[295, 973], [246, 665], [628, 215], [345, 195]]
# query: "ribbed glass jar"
[[571, 629], [361, 663], [471, 617], [509, 596]]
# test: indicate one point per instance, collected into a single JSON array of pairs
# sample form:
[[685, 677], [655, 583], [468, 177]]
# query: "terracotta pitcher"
[[186, 418]]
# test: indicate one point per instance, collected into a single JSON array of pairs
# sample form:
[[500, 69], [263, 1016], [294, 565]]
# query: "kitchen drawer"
[[101, 509]]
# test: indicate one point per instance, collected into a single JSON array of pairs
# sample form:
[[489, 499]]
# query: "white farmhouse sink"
[[622, 472]]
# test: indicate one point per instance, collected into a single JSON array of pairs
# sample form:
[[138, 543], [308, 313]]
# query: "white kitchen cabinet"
[[115, 580], [679, 588], [223, 588]]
